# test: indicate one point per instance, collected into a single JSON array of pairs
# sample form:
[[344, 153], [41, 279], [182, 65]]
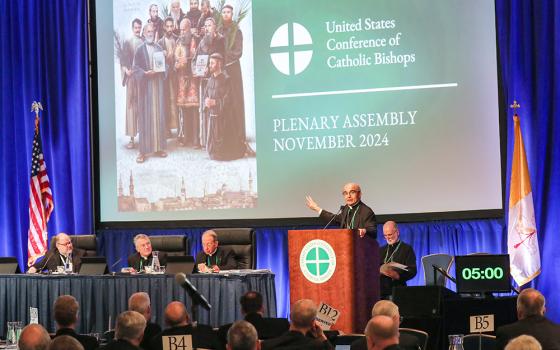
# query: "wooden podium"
[[353, 285]]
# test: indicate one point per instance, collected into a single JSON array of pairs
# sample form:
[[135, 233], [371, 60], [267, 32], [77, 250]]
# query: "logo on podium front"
[[317, 261]]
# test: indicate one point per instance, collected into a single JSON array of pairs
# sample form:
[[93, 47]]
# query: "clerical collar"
[[355, 205], [214, 252], [395, 244]]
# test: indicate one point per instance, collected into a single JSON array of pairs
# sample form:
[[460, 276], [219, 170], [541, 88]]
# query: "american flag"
[[40, 201]]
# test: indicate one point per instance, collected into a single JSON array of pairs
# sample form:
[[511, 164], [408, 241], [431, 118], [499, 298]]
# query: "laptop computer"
[[180, 263], [93, 265], [9, 265]]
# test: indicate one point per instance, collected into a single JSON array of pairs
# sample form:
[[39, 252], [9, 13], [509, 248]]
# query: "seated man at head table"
[[214, 258], [62, 254], [143, 256], [354, 215]]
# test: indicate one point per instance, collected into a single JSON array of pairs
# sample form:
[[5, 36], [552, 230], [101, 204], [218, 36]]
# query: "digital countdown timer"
[[482, 273]]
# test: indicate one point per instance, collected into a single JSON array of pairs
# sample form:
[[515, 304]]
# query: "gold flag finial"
[[35, 107], [515, 106]]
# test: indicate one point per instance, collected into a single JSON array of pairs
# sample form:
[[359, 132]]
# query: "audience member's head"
[[381, 331], [66, 311], [34, 337], [140, 302], [387, 308], [523, 342], [130, 327], [251, 302], [530, 302], [176, 314], [242, 336], [303, 314], [65, 342]]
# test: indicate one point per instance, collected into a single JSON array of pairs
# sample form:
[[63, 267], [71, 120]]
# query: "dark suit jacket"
[[267, 327], [120, 344], [202, 336], [293, 340], [404, 254], [406, 342], [359, 216], [150, 332], [52, 259], [89, 343], [223, 257], [544, 330], [134, 260]]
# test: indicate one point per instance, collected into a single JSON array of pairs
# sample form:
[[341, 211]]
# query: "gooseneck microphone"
[[197, 298], [50, 254], [334, 216]]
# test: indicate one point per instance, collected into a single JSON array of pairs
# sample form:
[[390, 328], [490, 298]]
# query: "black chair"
[[84, 242], [418, 334], [479, 342], [242, 242], [170, 244]]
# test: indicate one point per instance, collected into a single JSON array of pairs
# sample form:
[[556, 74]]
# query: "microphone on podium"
[[334, 216], [197, 298]]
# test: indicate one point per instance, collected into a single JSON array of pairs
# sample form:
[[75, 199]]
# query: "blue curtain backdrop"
[[43, 56]]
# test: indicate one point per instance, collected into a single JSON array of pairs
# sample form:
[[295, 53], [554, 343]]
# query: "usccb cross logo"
[[317, 261], [291, 48]]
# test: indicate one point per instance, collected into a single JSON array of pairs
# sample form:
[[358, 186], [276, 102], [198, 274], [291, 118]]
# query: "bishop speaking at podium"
[[354, 215]]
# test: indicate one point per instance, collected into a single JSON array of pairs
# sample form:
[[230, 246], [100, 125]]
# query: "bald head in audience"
[[65, 342], [523, 342], [530, 302], [34, 337], [176, 314], [242, 336], [381, 332]]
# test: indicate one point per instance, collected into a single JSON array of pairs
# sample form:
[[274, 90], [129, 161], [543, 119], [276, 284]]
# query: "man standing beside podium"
[[353, 215], [398, 261]]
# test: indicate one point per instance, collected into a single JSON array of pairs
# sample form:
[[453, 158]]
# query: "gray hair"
[[303, 313], [65, 342], [139, 237], [523, 342], [139, 302], [210, 233], [385, 307], [130, 326], [242, 336]]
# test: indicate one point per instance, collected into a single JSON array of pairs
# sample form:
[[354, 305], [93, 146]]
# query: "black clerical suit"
[[354, 217], [53, 258], [88, 342], [203, 336], [223, 257], [406, 342], [119, 344], [267, 327], [544, 330], [401, 253], [295, 340], [138, 263]]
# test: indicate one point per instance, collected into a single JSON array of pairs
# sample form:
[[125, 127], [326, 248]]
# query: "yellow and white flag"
[[523, 246]]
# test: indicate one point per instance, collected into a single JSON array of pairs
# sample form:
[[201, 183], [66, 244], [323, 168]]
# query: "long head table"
[[104, 297]]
